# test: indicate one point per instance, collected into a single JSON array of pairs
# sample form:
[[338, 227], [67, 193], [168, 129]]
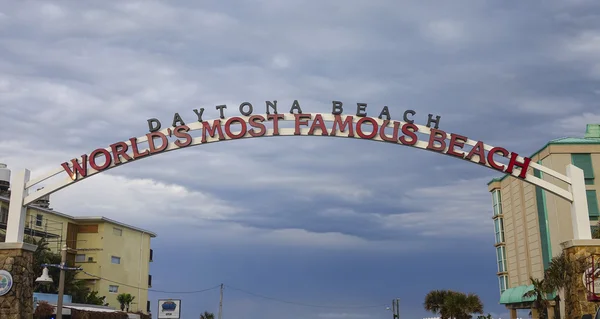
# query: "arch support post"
[[579, 207], [17, 212]]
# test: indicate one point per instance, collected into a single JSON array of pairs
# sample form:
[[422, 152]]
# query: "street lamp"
[[46, 279], [395, 308]]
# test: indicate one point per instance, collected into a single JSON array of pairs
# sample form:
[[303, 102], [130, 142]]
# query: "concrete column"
[[513, 313], [579, 207], [17, 260], [15, 225]]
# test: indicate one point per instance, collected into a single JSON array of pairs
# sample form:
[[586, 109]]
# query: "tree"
[[125, 300], [434, 302], [43, 310], [539, 291], [207, 315], [561, 272], [453, 305], [77, 289]]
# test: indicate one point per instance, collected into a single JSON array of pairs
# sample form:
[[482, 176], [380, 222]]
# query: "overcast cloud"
[[310, 220]]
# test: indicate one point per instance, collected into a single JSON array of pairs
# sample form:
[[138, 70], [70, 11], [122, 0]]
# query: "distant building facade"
[[102, 247], [530, 224]]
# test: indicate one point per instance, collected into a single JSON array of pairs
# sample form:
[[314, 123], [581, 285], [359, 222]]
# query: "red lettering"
[[119, 149], [153, 148], [359, 130], [478, 150], [242, 125], [253, 122], [490, 157], [79, 169], [211, 131], [409, 129], [182, 132], [394, 138], [298, 122], [318, 123], [275, 118], [437, 136], [456, 140], [513, 162], [95, 154], [134, 147], [347, 123]]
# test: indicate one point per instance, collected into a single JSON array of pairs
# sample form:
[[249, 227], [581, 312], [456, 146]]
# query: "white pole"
[[17, 213], [579, 207]]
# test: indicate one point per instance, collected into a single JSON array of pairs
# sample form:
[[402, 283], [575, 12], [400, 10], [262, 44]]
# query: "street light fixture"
[[46, 279]]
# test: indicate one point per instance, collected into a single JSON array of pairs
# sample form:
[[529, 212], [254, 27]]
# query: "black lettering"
[[431, 120], [385, 111], [361, 109], [177, 119], [337, 108], [295, 106], [151, 127], [250, 109], [272, 105], [220, 108], [406, 119], [199, 114]]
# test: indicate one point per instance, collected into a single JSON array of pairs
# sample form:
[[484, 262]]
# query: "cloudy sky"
[[337, 223]]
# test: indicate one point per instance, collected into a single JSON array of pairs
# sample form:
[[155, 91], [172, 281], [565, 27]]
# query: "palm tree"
[[453, 305], [539, 291], [560, 274], [434, 302], [207, 315], [125, 300]]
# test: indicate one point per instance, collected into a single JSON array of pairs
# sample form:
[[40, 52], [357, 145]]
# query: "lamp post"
[[395, 308], [46, 279]]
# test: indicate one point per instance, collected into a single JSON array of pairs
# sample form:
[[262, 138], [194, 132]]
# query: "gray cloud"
[[74, 77]]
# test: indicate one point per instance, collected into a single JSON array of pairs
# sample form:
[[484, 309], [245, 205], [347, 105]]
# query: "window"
[[499, 226], [113, 289], [3, 214], [503, 283], [151, 255], [584, 161], [592, 200], [80, 258], [148, 306], [497, 200], [117, 231], [501, 257], [38, 219], [115, 260], [149, 281]]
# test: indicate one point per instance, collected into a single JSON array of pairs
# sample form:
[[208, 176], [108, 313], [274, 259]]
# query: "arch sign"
[[182, 134]]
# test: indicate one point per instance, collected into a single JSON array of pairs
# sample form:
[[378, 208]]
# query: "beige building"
[[114, 251], [530, 223]]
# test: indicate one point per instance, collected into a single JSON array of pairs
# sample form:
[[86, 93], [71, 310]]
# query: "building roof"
[[83, 219], [592, 136]]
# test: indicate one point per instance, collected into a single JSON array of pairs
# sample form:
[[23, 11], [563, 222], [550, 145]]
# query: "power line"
[[240, 290], [300, 303], [153, 290]]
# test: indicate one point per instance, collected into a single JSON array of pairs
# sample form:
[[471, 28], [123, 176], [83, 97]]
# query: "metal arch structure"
[[330, 125]]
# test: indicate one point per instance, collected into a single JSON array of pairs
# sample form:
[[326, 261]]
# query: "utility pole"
[[221, 304], [396, 308], [61, 282]]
